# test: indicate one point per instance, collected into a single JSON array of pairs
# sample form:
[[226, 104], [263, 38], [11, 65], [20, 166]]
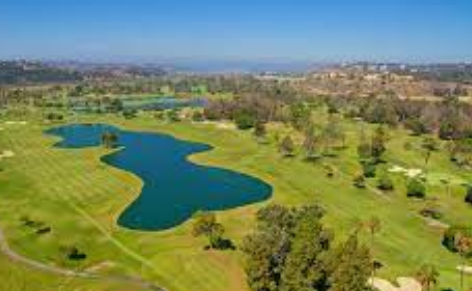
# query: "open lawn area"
[[80, 198]]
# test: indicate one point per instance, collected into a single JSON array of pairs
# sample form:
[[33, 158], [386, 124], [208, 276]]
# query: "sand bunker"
[[404, 284], [465, 269], [6, 154], [16, 122], [221, 125], [410, 173]]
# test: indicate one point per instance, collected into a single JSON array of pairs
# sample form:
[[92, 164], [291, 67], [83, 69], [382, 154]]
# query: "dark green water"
[[174, 188]]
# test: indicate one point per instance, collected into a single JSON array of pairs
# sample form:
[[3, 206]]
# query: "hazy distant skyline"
[[304, 30]]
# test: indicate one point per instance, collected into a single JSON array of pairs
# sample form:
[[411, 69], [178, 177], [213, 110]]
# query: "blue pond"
[[174, 188]]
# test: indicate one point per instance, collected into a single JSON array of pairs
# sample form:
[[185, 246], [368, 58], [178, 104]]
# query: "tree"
[[378, 148], [304, 267], [206, 224], [369, 169], [333, 133], [309, 143], [468, 197], [267, 249], [260, 130], [415, 188], [429, 145], [359, 181], [244, 120], [364, 149], [129, 113], [173, 115], [384, 182], [116, 105], [427, 275], [460, 151], [287, 147], [300, 115], [416, 126], [109, 139], [464, 246], [374, 226], [353, 267], [452, 235]]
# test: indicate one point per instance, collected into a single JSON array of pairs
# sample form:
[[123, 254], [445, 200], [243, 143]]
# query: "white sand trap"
[[225, 125], [465, 269], [6, 154], [410, 173], [437, 224], [220, 124], [404, 284], [16, 122], [101, 266]]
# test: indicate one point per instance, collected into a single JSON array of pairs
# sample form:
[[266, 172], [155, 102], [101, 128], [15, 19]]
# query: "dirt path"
[[17, 258]]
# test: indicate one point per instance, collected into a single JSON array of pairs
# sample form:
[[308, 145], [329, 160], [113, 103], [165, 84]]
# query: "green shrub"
[[130, 113], [198, 116], [452, 234], [431, 212], [244, 120], [385, 183], [369, 169], [359, 181], [415, 188], [468, 197]]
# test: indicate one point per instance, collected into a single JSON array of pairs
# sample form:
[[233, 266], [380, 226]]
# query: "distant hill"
[[25, 72], [29, 72]]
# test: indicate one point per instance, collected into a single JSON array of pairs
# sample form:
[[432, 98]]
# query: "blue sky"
[[315, 30]]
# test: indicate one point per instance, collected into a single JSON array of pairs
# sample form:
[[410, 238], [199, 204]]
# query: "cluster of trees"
[[450, 120], [371, 151], [22, 72], [246, 110], [458, 239], [291, 250]]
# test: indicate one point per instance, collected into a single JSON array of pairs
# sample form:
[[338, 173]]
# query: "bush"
[[287, 147], [369, 169], [452, 234], [415, 188], [385, 183], [54, 116], [416, 126], [468, 197], [244, 120], [359, 181], [173, 115], [329, 170], [130, 113], [198, 116], [431, 212]]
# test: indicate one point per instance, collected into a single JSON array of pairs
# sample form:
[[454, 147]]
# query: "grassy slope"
[[18, 278], [81, 198]]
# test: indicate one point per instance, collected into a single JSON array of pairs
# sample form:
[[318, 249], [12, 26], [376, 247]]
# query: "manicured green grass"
[[15, 277], [80, 198]]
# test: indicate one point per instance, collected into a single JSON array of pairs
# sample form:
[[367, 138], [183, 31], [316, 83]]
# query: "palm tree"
[[374, 226], [464, 246], [109, 139], [427, 275]]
